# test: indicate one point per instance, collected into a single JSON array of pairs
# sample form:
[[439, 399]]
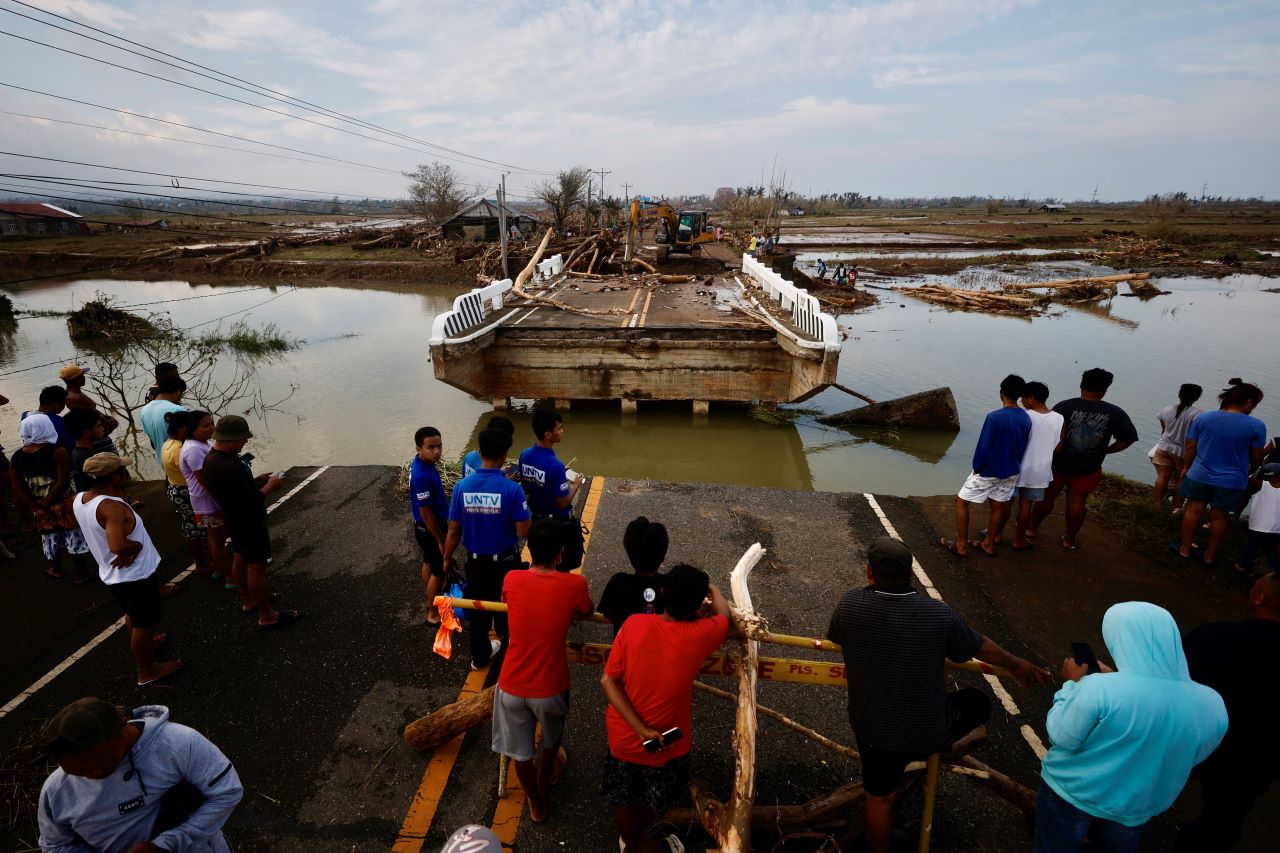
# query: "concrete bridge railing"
[[806, 311], [469, 311]]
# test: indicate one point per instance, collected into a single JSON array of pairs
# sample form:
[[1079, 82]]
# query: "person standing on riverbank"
[[243, 501], [1264, 522], [169, 393], [209, 516], [894, 641], [52, 402], [1037, 463], [996, 462], [546, 484], [74, 377], [86, 429], [179, 493], [1222, 448], [163, 369], [430, 512], [1092, 429], [488, 515], [1168, 453], [40, 474], [1235, 659], [127, 559], [533, 687], [1124, 740]]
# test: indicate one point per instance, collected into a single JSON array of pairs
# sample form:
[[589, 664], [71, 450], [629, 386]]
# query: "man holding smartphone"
[[648, 681]]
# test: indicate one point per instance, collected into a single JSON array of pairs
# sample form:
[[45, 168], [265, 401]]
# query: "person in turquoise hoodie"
[[1124, 740]]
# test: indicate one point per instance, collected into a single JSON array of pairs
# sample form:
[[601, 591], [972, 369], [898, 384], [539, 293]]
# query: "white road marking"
[[49, 676], [1010, 706]]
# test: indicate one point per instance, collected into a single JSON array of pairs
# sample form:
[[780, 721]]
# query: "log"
[[935, 409], [1070, 282], [239, 253], [450, 721], [594, 255], [577, 252], [644, 265]]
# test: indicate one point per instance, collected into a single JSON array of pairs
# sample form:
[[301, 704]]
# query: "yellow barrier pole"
[[930, 791], [776, 639]]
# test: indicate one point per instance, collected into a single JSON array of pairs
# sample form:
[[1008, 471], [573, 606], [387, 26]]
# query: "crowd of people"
[[1125, 737]]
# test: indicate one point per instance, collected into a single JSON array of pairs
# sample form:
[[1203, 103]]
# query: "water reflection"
[[926, 445]]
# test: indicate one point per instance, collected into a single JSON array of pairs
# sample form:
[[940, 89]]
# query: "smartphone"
[[669, 737], [280, 474], [246, 457], [1085, 657]]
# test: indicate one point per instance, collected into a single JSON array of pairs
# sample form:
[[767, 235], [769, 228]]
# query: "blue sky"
[[902, 97]]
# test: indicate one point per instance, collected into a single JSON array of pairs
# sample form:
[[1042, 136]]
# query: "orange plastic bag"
[[449, 623]]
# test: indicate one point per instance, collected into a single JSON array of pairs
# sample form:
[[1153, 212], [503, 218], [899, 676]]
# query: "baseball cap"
[[473, 839], [81, 726], [71, 371], [105, 464], [887, 548], [231, 428], [1271, 469]]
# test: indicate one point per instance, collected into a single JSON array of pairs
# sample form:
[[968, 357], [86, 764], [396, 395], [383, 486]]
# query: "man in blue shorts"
[[544, 478], [488, 515], [426, 492]]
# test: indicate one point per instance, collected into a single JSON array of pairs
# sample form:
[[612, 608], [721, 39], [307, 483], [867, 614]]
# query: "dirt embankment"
[[430, 271]]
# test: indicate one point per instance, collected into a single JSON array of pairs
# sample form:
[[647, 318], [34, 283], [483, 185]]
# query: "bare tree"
[[565, 193], [436, 191]]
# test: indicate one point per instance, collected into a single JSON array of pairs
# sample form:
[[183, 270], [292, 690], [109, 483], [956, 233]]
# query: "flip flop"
[[953, 548], [55, 574], [158, 640], [273, 598], [1175, 548], [170, 667], [168, 590], [978, 544], [284, 619], [1026, 547], [1064, 546], [982, 534], [231, 586]]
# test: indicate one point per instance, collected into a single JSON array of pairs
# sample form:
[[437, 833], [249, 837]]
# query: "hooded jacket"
[[1124, 743], [79, 815]]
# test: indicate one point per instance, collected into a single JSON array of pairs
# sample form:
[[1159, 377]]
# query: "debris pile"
[[1021, 298], [1117, 248], [99, 322]]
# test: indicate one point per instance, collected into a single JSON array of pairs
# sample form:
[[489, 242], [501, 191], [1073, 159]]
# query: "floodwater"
[[810, 259], [361, 383], [852, 237]]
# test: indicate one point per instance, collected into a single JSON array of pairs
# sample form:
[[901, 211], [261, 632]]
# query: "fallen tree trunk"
[[934, 409], [643, 264], [1071, 282], [450, 721], [255, 249]]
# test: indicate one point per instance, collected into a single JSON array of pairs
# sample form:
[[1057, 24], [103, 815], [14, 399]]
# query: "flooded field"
[[359, 385]]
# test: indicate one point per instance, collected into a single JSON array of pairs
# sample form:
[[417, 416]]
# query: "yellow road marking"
[[506, 816], [422, 811], [635, 296], [644, 314]]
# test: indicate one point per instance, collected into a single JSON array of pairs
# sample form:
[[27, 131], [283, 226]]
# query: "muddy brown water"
[[363, 382]]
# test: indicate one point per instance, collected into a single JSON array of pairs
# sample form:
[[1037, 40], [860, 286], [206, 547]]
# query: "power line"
[[183, 141], [256, 90], [132, 114], [264, 108]]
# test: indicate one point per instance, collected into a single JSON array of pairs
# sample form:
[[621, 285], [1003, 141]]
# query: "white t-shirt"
[[144, 564], [1264, 510], [1037, 460], [1173, 439]]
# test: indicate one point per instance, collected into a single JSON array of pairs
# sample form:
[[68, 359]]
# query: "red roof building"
[[27, 220]]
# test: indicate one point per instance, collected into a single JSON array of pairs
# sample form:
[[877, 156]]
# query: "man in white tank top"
[[127, 560]]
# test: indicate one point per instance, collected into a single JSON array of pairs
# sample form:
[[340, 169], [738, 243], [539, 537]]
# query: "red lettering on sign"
[[766, 668]]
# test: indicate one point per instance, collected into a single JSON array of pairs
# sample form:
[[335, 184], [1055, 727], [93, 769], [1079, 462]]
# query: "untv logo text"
[[485, 503], [536, 474]]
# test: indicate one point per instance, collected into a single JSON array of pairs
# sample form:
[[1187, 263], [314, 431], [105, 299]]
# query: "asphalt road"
[[312, 715]]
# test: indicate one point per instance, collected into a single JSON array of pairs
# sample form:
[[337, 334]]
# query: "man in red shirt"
[[534, 685], [648, 681]]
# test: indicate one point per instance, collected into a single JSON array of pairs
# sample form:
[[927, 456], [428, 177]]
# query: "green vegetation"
[[99, 321], [243, 339]]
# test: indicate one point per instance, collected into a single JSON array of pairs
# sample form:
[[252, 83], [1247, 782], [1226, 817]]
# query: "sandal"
[[1026, 547], [1062, 543], [977, 543], [54, 574], [284, 618], [273, 598], [953, 548], [169, 668]]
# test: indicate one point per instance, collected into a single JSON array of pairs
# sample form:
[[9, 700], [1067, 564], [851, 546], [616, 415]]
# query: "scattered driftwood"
[[1061, 283], [993, 302], [643, 264], [262, 247], [522, 279], [450, 721], [934, 409]]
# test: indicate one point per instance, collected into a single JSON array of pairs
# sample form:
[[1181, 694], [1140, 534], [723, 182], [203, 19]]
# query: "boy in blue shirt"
[[488, 515], [545, 482], [471, 463], [996, 462], [426, 492]]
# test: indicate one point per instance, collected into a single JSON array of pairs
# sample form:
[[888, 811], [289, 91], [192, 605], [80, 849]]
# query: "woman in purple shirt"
[[208, 513]]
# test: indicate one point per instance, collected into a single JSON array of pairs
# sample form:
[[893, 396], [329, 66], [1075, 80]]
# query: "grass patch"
[[100, 322], [1127, 508], [243, 339]]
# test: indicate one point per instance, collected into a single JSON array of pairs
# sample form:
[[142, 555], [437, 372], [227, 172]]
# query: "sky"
[[1000, 98]]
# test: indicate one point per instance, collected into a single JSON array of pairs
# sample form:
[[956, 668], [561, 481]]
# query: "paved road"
[[312, 716]]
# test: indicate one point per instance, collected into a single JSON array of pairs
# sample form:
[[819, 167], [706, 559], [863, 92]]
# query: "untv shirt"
[[471, 463], [544, 481], [426, 490], [541, 606], [488, 505], [657, 661]]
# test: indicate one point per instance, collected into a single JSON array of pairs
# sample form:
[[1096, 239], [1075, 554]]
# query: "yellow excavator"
[[677, 231]]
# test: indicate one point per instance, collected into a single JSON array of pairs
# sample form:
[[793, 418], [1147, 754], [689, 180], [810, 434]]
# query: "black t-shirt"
[[894, 646], [627, 594], [1090, 426], [1240, 661], [233, 487], [79, 455]]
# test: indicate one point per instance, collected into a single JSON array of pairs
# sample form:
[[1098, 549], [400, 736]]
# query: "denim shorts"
[[1226, 500], [1031, 493]]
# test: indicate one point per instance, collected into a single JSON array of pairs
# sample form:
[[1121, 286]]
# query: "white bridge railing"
[[806, 311], [471, 309]]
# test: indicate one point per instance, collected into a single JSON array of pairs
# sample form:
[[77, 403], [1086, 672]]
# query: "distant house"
[[1052, 208], [795, 211], [141, 224], [39, 220], [479, 222]]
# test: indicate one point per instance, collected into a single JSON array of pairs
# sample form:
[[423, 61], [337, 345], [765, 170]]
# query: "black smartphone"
[[1085, 657], [669, 737]]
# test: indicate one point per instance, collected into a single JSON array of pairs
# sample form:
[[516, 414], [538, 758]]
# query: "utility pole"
[[601, 216], [502, 222], [587, 211], [626, 194], [1095, 194]]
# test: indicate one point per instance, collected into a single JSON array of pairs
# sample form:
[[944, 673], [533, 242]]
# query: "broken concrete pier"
[[934, 409]]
